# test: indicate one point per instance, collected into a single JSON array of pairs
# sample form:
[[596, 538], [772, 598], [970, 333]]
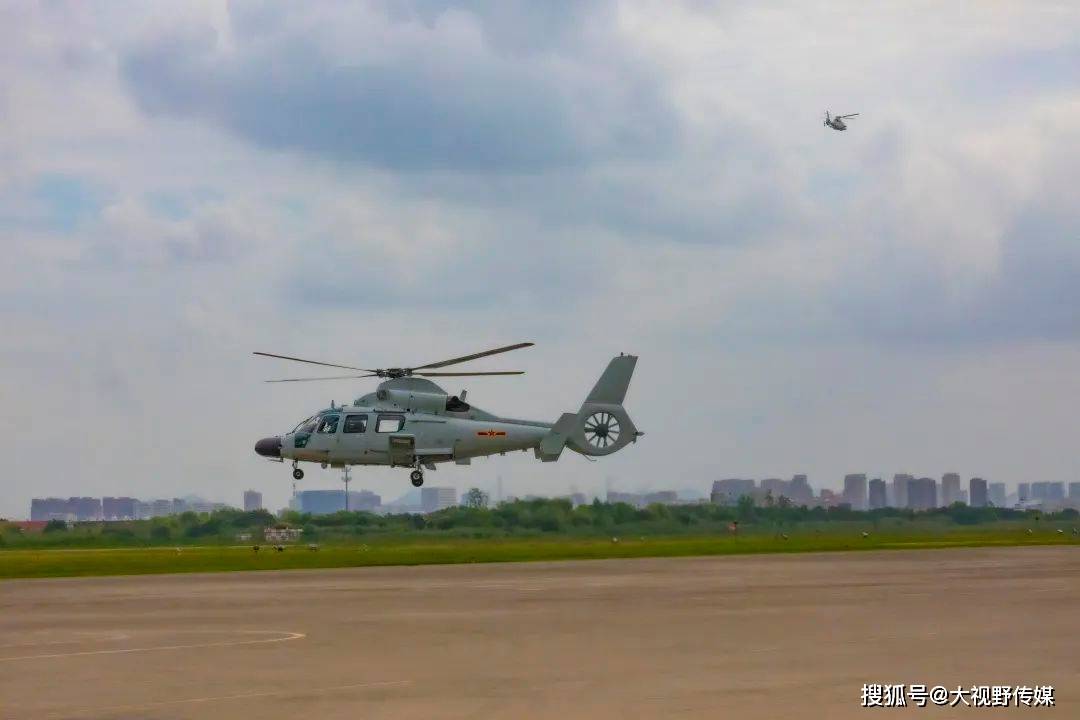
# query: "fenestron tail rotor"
[[602, 429], [399, 372]]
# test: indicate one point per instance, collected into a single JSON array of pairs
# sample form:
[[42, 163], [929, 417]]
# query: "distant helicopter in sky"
[[837, 122]]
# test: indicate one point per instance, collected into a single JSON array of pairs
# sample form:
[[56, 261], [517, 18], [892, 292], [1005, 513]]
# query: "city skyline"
[[859, 491]]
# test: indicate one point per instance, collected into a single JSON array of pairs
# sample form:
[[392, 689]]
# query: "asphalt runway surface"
[[748, 637]]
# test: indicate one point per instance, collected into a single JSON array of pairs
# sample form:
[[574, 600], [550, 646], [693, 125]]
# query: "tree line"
[[520, 517]]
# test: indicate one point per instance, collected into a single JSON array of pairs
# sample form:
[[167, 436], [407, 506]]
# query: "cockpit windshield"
[[307, 425]]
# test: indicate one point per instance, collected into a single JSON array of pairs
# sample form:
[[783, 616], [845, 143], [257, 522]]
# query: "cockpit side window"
[[456, 404], [327, 424], [355, 424], [389, 423]]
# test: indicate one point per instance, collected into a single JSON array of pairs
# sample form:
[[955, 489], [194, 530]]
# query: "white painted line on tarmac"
[[285, 637]]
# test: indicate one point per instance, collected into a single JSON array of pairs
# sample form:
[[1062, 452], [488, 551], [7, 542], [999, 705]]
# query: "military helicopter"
[[409, 421], [837, 122]]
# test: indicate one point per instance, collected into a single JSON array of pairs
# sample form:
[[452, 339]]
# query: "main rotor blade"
[[474, 356], [312, 362], [336, 377], [847, 116], [463, 374]]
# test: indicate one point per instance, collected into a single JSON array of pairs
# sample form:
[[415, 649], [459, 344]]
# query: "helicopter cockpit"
[[322, 424]]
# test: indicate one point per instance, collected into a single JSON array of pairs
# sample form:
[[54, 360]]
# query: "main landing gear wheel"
[[417, 478], [297, 474]]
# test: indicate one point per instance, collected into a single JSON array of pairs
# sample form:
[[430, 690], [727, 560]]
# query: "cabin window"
[[327, 424], [389, 423], [355, 424]]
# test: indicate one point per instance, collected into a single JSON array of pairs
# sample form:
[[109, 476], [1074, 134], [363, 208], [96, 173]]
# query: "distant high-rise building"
[[855, 490], [1048, 492], [728, 491], [118, 508], [922, 494], [1023, 492], [252, 500], [996, 494], [51, 509], [877, 494], [85, 508], [776, 487], [977, 492], [900, 485], [162, 507], [437, 498], [801, 492], [1074, 491], [950, 488]]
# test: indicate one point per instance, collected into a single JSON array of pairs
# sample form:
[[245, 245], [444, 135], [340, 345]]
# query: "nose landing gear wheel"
[[298, 474], [417, 478]]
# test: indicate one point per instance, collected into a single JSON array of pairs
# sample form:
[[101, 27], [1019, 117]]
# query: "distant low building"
[[576, 499], [661, 497], [281, 535], [614, 496]]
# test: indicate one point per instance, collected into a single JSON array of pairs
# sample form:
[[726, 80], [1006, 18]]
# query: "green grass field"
[[19, 563]]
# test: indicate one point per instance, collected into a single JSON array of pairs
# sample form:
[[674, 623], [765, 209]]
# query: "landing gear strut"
[[417, 478]]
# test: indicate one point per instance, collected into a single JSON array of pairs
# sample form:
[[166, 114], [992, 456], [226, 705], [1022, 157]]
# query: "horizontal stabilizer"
[[552, 444]]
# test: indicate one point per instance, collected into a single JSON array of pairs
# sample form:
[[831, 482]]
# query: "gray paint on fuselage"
[[438, 436]]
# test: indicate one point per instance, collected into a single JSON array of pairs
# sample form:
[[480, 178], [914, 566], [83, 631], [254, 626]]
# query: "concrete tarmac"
[[748, 637]]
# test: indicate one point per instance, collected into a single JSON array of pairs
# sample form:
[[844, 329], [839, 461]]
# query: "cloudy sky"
[[396, 182]]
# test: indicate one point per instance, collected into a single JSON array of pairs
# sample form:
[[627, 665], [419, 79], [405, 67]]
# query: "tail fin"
[[602, 426], [611, 388]]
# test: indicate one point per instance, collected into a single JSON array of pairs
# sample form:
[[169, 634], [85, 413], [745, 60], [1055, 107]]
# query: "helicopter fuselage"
[[405, 422], [412, 422]]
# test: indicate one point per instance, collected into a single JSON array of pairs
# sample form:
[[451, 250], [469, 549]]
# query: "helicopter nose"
[[269, 447]]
